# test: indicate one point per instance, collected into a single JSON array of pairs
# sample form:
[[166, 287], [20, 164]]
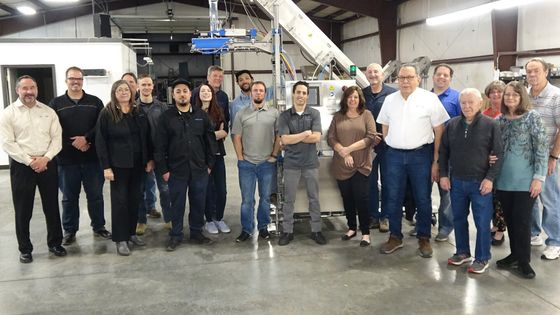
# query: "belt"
[[410, 150]]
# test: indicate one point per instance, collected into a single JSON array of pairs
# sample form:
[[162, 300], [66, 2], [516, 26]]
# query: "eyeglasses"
[[75, 79], [406, 78], [512, 95]]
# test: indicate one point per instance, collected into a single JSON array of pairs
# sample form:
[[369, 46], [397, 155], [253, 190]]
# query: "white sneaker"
[[222, 226], [551, 252], [211, 228], [536, 240]]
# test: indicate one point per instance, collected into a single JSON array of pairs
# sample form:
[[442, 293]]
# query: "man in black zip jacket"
[[77, 162], [184, 154], [466, 144]]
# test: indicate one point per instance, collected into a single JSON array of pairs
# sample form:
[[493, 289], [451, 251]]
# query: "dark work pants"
[[24, 181], [518, 211], [355, 195], [126, 194]]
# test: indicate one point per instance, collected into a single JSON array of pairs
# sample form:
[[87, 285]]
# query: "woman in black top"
[[216, 192], [125, 151]]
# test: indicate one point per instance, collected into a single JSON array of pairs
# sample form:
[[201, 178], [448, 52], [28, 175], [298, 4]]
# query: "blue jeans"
[[70, 182], [445, 214], [216, 192], [151, 180], [550, 219], [178, 188], [249, 175], [375, 210], [414, 165], [463, 194]]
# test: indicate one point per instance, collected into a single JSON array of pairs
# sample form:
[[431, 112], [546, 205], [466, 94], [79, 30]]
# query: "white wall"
[[365, 51], [539, 26], [113, 56]]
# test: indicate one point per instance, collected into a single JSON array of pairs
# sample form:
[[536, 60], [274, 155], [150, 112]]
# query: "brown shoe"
[[424, 247], [392, 244], [154, 214]]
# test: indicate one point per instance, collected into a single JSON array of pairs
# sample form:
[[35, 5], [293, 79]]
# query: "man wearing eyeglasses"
[[77, 162], [412, 122]]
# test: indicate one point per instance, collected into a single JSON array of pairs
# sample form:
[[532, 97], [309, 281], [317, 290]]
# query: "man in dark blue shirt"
[[443, 73], [375, 95]]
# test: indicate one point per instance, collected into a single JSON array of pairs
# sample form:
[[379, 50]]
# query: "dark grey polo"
[[300, 155]]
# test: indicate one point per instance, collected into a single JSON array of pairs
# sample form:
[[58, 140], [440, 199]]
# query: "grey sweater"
[[466, 148]]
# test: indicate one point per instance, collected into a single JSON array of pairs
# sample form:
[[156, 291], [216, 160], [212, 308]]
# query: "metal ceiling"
[[337, 11]]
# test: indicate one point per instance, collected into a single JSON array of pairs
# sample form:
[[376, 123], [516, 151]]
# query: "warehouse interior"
[[110, 37]]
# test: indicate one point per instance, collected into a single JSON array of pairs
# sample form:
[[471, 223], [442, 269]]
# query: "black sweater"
[[77, 119], [186, 143], [466, 147], [113, 142]]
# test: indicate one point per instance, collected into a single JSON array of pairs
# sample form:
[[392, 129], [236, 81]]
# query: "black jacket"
[[77, 119], [467, 147], [113, 141], [186, 143], [153, 111]]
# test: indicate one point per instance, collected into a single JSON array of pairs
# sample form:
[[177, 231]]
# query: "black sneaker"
[[318, 238], [524, 271], [68, 238], [25, 258], [200, 239], [58, 250], [243, 237], [285, 239], [508, 262], [102, 233], [172, 244], [264, 234], [373, 223]]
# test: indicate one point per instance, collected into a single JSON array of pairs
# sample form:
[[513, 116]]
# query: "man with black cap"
[[184, 152]]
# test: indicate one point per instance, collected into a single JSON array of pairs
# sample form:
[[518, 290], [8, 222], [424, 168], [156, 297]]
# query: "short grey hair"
[[471, 91], [214, 68], [410, 65]]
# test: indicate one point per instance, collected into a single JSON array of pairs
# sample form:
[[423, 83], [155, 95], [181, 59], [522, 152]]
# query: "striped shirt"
[[547, 104]]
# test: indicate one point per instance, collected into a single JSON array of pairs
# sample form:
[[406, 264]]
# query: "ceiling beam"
[[40, 4], [317, 9], [8, 9], [367, 8], [335, 14], [387, 23]]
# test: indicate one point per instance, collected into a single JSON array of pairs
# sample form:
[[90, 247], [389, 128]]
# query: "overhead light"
[[477, 11], [26, 10], [61, 1]]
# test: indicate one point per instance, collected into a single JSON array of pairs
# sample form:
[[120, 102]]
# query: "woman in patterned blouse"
[[523, 172]]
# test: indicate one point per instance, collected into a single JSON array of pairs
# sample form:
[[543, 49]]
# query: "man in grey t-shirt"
[[300, 129], [256, 146]]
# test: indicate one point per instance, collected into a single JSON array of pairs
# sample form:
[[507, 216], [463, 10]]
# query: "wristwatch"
[[553, 157]]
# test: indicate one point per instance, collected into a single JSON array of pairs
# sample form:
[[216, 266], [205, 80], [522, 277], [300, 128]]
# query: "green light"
[[353, 70]]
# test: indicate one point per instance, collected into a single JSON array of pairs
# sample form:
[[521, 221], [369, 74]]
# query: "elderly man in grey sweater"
[[466, 144]]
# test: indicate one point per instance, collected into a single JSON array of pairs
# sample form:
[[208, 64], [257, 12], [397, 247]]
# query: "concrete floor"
[[256, 277]]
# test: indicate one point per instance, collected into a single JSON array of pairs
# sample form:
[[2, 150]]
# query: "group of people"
[[496, 162]]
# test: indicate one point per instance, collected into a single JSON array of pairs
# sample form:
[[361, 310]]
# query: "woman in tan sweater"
[[351, 135]]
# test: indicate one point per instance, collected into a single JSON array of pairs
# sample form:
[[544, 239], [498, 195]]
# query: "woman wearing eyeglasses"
[[523, 172], [124, 148], [495, 92]]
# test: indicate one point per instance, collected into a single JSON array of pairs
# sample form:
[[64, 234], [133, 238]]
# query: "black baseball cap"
[[181, 81]]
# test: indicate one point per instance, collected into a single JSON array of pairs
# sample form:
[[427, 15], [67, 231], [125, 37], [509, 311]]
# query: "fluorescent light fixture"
[[477, 11], [61, 1], [26, 10]]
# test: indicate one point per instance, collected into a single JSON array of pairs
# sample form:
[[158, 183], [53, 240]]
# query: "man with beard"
[[31, 135], [257, 145], [375, 95], [77, 162], [184, 154]]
